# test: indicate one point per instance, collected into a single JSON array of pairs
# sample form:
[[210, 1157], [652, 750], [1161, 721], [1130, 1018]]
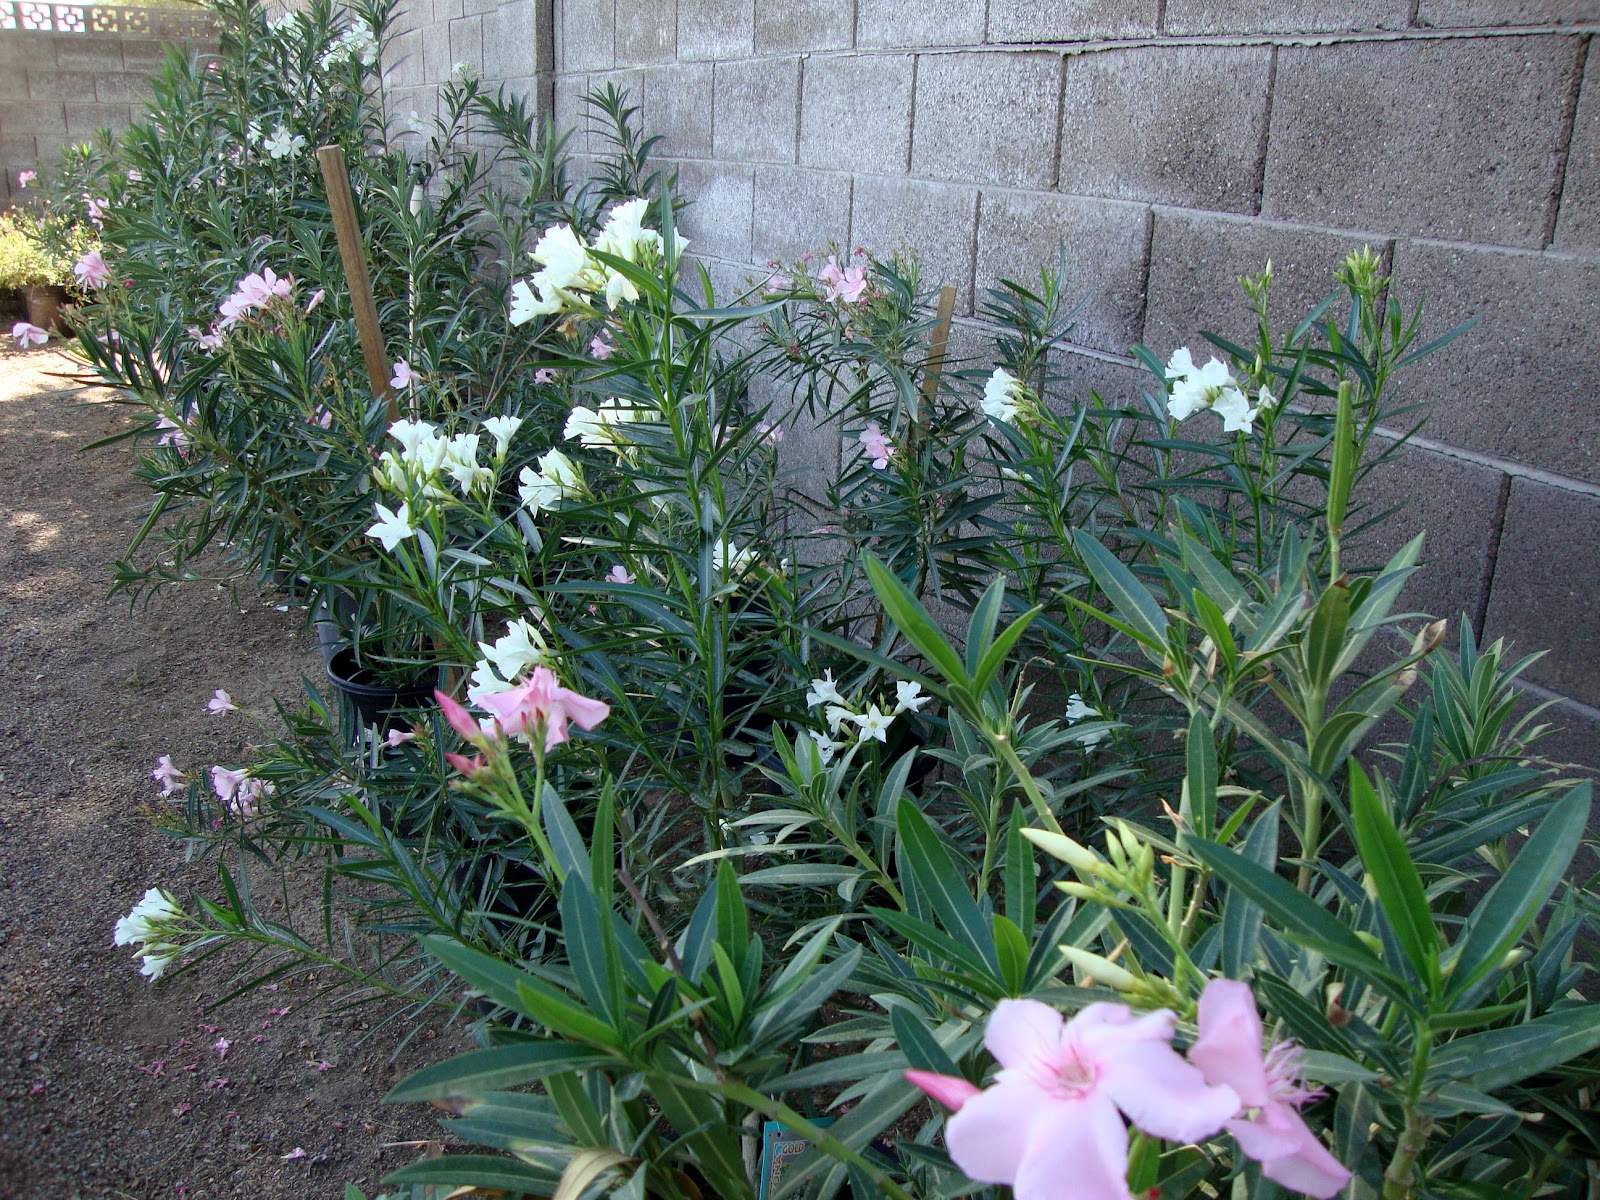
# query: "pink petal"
[[1078, 1149], [1161, 1093], [584, 712], [1020, 1031], [1228, 1050], [989, 1136], [949, 1090], [1289, 1153]]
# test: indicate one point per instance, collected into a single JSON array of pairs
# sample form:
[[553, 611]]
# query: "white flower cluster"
[[281, 144], [570, 269], [152, 925], [425, 455], [558, 478], [1003, 395], [1077, 711], [519, 650], [357, 43], [1211, 386], [873, 721], [601, 427]]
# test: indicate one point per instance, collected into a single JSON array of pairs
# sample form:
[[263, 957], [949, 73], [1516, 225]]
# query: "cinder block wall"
[[58, 88], [1176, 145], [503, 41]]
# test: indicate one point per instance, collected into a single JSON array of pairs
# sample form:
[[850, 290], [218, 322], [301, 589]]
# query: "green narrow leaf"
[[1129, 598], [913, 621], [1241, 916], [942, 882], [984, 621], [1324, 639], [1389, 866], [1505, 913], [1012, 950], [1201, 780], [481, 1071], [921, 1048]]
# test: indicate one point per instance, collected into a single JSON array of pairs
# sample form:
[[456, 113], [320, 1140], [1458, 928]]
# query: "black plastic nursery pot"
[[370, 703]]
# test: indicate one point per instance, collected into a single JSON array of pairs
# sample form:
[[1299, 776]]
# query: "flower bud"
[[1080, 891], [1079, 857], [1097, 966]]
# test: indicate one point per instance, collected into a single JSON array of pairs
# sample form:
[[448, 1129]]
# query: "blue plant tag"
[[780, 1146]]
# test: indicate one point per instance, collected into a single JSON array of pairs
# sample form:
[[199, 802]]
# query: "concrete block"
[[466, 41], [29, 50], [1070, 20], [118, 89], [1196, 261], [1544, 586], [855, 113], [1474, 14], [90, 54], [935, 220], [804, 25], [647, 32], [436, 60], [1573, 742], [717, 222], [1284, 16], [987, 118], [587, 34], [916, 26], [715, 29], [478, 8], [1453, 502], [1578, 224], [35, 118], [52, 84], [1105, 243], [511, 35], [1520, 384], [1077, 378], [757, 110], [678, 102], [798, 212], [1166, 125], [145, 57], [83, 120], [1455, 138], [13, 85], [570, 111]]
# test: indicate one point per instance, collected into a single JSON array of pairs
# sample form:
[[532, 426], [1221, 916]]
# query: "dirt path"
[[112, 1087]]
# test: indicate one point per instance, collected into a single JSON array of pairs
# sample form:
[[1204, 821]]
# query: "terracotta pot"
[[44, 307]]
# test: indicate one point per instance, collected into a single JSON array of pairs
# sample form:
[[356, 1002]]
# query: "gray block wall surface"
[[57, 89], [1172, 146]]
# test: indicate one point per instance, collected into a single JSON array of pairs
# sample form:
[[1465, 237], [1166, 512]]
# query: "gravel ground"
[[113, 1087]]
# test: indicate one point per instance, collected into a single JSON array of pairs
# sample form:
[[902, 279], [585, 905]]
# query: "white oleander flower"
[[520, 649], [392, 527], [874, 723], [485, 682], [146, 921], [826, 746], [837, 715], [909, 697], [1001, 393], [502, 429], [823, 691], [729, 559], [282, 144], [1077, 711]]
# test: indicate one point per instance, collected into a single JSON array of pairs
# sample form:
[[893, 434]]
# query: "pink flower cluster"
[[539, 702], [250, 293], [1057, 1108], [846, 285], [877, 447], [91, 270]]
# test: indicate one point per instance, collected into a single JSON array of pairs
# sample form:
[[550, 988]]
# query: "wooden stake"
[[937, 343], [336, 179]]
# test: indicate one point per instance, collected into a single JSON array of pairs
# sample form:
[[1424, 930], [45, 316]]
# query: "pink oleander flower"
[[778, 282], [1055, 1110], [167, 775], [404, 376], [225, 783], [600, 348], [458, 718], [544, 375], [172, 434], [221, 1046], [96, 209], [847, 286], [320, 416], [621, 574], [91, 270], [542, 701], [24, 178], [396, 738], [29, 335], [220, 703], [770, 433], [467, 766], [317, 297], [877, 446], [1228, 1052], [210, 341]]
